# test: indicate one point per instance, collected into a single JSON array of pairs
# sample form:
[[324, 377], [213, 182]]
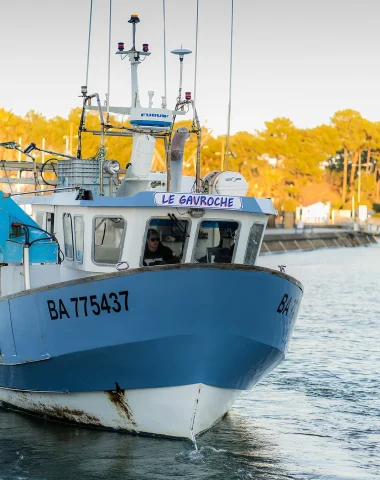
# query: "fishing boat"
[[134, 303]]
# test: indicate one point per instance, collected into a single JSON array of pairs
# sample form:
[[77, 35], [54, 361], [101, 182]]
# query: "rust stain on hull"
[[68, 414], [118, 398]]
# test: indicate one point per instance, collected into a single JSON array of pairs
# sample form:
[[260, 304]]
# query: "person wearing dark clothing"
[[156, 253]]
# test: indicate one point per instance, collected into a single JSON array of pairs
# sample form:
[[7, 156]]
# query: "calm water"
[[317, 416]]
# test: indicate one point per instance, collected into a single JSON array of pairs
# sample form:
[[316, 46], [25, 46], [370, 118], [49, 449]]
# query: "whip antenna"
[[89, 43], [230, 87], [196, 56], [109, 63], [164, 18]]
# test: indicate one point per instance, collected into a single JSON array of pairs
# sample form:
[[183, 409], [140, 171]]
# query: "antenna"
[[181, 52], [196, 56], [109, 64], [230, 88], [89, 45], [164, 18]]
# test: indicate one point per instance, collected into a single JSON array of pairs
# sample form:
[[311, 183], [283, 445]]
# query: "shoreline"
[[290, 241]]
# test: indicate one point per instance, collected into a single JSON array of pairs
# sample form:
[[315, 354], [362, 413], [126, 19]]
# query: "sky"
[[301, 59]]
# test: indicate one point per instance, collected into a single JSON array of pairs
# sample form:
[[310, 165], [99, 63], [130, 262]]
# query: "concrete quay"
[[280, 240]]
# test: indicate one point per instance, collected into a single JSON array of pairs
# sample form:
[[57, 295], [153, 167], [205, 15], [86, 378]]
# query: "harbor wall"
[[287, 241]]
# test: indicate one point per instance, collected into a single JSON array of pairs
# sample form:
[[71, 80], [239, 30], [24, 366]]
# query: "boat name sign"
[[195, 200]]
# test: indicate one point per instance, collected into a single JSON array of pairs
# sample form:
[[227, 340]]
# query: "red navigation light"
[[145, 47], [120, 46], [188, 95]]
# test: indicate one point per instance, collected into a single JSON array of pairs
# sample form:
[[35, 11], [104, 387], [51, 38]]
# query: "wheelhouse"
[[110, 237]]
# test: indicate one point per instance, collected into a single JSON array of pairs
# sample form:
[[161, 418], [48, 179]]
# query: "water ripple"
[[316, 417]]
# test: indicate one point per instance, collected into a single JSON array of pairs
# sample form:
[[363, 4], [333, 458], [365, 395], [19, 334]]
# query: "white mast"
[[134, 58], [135, 62]]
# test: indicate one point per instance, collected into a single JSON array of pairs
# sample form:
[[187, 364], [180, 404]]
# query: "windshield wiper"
[[177, 223]]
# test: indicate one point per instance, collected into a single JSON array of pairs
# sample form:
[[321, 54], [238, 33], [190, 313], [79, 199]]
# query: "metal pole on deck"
[[164, 19], [19, 151], [89, 44], [18, 187], [42, 150], [230, 88], [109, 64], [196, 57], [26, 267]]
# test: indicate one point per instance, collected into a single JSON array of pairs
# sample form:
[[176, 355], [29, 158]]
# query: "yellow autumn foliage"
[[288, 164]]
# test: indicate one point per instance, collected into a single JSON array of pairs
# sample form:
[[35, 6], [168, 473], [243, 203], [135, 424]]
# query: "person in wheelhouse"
[[156, 253]]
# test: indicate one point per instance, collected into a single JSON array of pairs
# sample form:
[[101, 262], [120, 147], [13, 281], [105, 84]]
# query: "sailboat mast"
[[227, 152]]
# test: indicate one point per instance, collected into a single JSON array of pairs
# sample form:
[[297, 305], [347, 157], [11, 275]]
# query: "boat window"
[[216, 241], [254, 240], [68, 236], [79, 238], [108, 238], [165, 241]]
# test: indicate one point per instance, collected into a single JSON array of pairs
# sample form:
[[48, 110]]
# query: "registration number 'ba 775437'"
[[88, 305], [288, 306]]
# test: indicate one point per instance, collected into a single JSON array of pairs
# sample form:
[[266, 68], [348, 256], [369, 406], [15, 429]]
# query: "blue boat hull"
[[222, 326]]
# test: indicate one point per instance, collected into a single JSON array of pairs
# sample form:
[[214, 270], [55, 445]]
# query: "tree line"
[[331, 162]]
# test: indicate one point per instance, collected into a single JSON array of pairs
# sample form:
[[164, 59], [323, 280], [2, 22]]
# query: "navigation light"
[[134, 18]]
